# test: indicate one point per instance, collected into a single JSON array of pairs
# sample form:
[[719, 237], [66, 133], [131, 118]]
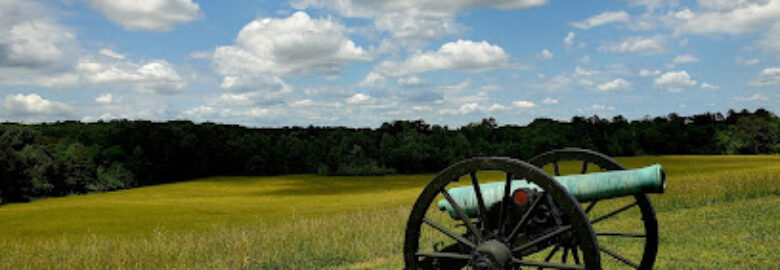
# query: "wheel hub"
[[492, 254]]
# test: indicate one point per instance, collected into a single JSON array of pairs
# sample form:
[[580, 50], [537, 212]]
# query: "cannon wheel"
[[641, 200], [472, 245]]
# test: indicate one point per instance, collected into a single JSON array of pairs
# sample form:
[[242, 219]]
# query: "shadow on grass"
[[312, 185]]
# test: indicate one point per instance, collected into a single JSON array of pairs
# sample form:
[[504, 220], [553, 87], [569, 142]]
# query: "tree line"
[[56, 159]]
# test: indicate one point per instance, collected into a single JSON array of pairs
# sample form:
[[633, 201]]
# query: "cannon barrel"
[[583, 187]]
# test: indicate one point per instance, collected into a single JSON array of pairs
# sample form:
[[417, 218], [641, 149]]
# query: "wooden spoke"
[[526, 216], [544, 237], [552, 253], [447, 255], [462, 215], [449, 233], [618, 257], [547, 264], [590, 207], [575, 255], [621, 209], [584, 167], [621, 234], [504, 201], [482, 209]]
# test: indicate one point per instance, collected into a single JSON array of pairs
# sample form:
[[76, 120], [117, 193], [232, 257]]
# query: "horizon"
[[273, 64], [478, 121]]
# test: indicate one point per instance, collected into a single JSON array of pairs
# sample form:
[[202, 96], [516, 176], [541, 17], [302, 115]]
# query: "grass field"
[[719, 212]]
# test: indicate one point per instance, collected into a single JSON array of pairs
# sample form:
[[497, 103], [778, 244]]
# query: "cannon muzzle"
[[583, 187]]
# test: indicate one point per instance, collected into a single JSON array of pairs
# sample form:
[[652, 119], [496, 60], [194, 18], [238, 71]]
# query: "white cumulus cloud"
[[708, 86], [106, 98], [550, 101], [730, 17], [649, 72], [757, 97], [616, 84], [372, 78], [253, 83], [34, 48], [410, 81], [153, 15], [769, 77], [302, 103], [569, 43], [600, 107], [770, 43], [546, 54], [652, 5], [413, 19], [556, 83], [496, 107], [269, 48], [491, 87], [474, 107], [461, 55], [685, 58], [467, 108], [33, 104], [674, 81], [569, 39], [358, 98], [112, 54], [524, 104], [294, 45], [747, 61], [34, 44], [716, 17], [155, 76], [581, 72], [645, 45], [602, 19]]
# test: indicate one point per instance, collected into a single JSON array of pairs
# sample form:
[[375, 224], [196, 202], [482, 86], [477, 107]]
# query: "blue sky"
[[363, 62]]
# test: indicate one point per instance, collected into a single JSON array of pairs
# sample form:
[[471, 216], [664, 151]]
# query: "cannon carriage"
[[502, 213]]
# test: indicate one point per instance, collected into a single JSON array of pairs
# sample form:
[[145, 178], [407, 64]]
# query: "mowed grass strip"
[[714, 205]]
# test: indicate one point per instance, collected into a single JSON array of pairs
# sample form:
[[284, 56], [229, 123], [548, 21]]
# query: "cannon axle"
[[493, 254]]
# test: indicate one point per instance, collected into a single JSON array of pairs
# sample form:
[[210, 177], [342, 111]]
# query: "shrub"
[[365, 169], [114, 178]]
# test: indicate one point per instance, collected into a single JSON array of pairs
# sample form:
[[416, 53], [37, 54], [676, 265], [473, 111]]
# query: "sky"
[[360, 63]]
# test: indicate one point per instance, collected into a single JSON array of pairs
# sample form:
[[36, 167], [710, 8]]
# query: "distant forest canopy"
[[55, 159]]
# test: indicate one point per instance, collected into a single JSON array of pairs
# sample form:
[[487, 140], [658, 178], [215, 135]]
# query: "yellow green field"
[[719, 212]]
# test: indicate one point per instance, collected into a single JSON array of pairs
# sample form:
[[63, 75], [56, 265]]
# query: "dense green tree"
[[14, 185], [54, 159], [75, 167], [113, 177], [41, 170], [751, 134]]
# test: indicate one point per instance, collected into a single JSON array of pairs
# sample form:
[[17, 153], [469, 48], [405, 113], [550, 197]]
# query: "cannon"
[[503, 213], [583, 187]]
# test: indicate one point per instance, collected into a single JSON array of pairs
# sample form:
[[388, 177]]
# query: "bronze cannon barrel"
[[583, 187]]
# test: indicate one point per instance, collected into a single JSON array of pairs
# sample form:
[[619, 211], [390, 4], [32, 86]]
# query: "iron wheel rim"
[[604, 162], [583, 232]]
